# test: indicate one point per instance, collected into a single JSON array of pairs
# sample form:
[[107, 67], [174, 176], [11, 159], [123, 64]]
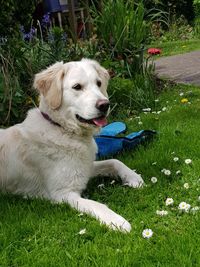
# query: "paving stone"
[[183, 68]]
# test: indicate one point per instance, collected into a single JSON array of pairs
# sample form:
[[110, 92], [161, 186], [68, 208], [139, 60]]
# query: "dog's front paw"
[[112, 219], [133, 180], [118, 223]]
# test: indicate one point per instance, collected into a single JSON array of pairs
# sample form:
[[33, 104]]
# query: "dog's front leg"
[[113, 167], [95, 209]]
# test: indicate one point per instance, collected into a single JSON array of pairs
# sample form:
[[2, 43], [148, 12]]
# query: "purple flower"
[[46, 20], [27, 36], [33, 31]]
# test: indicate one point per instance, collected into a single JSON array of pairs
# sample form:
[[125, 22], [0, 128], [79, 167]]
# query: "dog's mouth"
[[100, 121]]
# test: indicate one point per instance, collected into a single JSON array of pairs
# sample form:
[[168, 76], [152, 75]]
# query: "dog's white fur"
[[40, 159]]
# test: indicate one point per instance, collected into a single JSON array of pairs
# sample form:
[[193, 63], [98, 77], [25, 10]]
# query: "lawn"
[[38, 233], [177, 47]]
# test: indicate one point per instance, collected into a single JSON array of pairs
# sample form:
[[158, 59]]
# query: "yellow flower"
[[184, 100]]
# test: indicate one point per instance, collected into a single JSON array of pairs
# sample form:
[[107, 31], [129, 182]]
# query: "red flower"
[[154, 51]]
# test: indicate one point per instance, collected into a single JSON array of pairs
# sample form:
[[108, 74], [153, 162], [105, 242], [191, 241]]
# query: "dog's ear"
[[49, 83], [101, 71]]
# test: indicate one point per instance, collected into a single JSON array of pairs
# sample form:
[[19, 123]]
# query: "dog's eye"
[[99, 83], [77, 86]]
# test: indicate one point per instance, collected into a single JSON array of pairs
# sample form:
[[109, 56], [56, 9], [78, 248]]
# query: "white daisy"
[[100, 185], [169, 201], [194, 209], [164, 109], [140, 122], [188, 161], [175, 159], [146, 109], [183, 206], [178, 172], [186, 185], [147, 233], [181, 94], [158, 112], [162, 212], [82, 231], [167, 172], [154, 180]]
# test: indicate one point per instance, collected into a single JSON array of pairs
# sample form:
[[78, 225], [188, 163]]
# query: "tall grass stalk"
[[121, 25]]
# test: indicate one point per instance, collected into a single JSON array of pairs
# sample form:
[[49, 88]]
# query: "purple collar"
[[46, 117]]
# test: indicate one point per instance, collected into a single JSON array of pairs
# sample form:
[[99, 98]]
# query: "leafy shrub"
[[121, 25], [122, 30], [19, 61], [180, 8], [132, 95], [13, 14], [196, 5], [178, 29]]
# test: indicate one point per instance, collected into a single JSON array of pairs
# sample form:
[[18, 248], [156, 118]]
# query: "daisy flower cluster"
[[183, 206], [176, 159], [183, 99], [168, 172], [149, 110], [170, 203]]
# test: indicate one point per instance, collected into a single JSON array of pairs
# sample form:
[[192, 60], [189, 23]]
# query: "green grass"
[[177, 47], [38, 233]]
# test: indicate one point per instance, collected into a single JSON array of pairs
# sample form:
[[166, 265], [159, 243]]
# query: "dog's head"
[[75, 91]]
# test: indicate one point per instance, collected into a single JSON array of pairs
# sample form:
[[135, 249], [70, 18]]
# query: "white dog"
[[52, 153]]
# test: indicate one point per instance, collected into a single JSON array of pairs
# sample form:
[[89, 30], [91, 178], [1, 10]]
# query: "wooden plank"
[[72, 20], [88, 23]]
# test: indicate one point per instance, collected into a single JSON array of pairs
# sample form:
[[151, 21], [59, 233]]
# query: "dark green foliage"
[[134, 94], [13, 14], [181, 7], [123, 31], [19, 61]]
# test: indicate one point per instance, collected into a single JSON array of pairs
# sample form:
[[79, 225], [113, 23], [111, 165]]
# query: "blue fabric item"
[[113, 129], [109, 144]]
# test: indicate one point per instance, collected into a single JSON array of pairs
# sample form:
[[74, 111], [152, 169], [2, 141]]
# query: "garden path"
[[184, 68]]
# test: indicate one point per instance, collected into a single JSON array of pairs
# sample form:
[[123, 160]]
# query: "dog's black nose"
[[103, 105]]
